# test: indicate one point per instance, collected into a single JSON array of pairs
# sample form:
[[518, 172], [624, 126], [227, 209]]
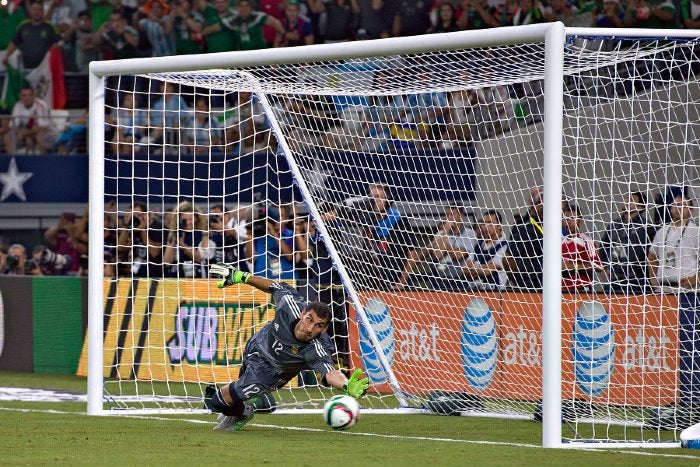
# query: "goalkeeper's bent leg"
[[219, 404]]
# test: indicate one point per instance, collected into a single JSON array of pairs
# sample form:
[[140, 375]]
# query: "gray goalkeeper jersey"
[[276, 342]]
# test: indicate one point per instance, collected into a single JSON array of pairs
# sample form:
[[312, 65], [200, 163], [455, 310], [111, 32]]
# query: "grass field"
[[59, 433]]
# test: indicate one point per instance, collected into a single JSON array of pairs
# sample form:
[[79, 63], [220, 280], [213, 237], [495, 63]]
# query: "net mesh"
[[427, 172]]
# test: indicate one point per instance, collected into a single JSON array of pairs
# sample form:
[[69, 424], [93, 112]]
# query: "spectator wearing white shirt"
[[30, 121], [450, 248], [674, 263], [485, 265]]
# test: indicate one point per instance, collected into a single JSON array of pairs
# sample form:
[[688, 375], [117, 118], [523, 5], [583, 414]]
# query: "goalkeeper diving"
[[294, 341]]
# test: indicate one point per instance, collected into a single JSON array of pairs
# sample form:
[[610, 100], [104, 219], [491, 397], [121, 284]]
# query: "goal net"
[[406, 190]]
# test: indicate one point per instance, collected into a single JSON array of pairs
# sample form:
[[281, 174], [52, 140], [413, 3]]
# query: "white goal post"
[[587, 116]]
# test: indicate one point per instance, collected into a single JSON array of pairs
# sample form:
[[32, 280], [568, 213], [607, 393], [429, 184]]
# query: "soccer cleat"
[[233, 423], [209, 392]]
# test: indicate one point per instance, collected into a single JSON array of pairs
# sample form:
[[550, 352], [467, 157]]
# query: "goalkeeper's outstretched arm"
[[231, 275], [355, 386]]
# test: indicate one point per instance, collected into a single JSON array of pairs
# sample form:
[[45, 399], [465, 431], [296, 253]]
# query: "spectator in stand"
[[372, 21], [101, 13], [61, 241], [477, 15], [247, 26], [251, 121], [529, 12], [447, 21], [485, 265], [297, 28], [411, 18], [612, 15], [140, 242], [57, 13], [229, 235], [272, 247], [158, 27], [430, 111], [73, 140], [449, 248], [81, 235], [16, 260], [674, 267], [523, 261], [624, 247], [342, 18], [132, 126], [3, 257], [11, 16], [690, 12], [32, 127], [187, 25], [188, 249], [6, 136], [579, 253], [559, 10], [83, 41], [33, 39], [655, 14], [168, 115], [205, 134], [274, 8], [117, 38], [219, 37], [505, 12]]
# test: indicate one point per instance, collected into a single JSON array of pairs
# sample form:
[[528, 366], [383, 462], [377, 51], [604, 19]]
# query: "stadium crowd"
[[114, 29], [639, 251]]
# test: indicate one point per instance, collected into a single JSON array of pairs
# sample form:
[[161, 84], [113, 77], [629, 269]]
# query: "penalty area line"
[[357, 433]]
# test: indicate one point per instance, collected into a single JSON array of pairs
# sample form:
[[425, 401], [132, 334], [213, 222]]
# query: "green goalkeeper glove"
[[230, 275], [355, 386]]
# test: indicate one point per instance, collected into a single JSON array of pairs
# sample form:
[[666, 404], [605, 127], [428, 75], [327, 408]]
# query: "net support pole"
[[551, 294], [96, 144], [321, 226]]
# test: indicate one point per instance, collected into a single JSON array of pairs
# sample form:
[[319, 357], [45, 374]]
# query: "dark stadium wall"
[[44, 321], [16, 352]]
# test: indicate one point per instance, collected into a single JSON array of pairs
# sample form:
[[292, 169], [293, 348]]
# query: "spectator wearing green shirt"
[[690, 11], [219, 37], [188, 25], [100, 11], [10, 18], [248, 24], [656, 14]]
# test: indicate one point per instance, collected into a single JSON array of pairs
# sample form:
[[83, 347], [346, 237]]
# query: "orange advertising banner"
[[617, 349]]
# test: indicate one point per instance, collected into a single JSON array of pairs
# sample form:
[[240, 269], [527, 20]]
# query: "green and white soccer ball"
[[341, 412]]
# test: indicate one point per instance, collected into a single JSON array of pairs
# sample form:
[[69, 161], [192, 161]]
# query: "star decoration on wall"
[[13, 182]]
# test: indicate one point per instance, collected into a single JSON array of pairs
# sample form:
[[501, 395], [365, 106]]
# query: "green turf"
[[33, 436]]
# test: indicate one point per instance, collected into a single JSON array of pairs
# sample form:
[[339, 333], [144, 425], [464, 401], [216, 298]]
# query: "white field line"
[[372, 435]]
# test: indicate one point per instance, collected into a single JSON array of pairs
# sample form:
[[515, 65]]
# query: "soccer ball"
[[341, 412]]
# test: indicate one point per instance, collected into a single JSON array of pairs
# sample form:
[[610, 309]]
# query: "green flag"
[[14, 81]]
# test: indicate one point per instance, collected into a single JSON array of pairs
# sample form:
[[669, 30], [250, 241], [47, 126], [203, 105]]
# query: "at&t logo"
[[593, 348], [378, 315], [479, 344]]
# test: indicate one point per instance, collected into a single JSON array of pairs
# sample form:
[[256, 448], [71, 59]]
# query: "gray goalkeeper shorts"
[[257, 376]]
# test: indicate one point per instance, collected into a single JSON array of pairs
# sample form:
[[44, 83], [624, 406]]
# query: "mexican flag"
[[14, 81], [47, 80]]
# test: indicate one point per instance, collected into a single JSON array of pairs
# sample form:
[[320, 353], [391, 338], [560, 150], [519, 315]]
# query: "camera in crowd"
[[49, 261], [12, 261]]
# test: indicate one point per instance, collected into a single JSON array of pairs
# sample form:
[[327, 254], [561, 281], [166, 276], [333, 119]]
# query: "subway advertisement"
[[177, 330], [617, 349]]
